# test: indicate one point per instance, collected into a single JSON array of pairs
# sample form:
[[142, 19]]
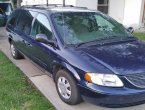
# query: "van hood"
[[121, 58]]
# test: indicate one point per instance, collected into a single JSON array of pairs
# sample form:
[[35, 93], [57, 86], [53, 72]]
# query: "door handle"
[[29, 45], [26, 43], [23, 41], [13, 33]]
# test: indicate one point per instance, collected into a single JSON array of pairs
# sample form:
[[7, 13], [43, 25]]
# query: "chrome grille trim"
[[137, 80]]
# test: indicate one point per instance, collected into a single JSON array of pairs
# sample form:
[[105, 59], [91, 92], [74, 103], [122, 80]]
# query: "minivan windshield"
[[83, 27]]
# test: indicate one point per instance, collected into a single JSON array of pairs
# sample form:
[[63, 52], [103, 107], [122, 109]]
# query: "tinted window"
[[13, 18], [42, 26], [25, 21]]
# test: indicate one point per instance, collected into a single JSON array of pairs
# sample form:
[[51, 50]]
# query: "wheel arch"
[[63, 65], [10, 40]]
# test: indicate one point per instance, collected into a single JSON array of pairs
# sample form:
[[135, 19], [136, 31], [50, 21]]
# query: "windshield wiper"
[[80, 44], [95, 41], [103, 40], [128, 38]]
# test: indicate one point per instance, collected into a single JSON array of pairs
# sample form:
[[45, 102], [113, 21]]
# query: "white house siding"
[[91, 4], [133, 13], [116, 9], [35, 2]]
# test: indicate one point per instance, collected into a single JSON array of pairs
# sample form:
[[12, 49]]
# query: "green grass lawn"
[[15, 91], [140, 35]]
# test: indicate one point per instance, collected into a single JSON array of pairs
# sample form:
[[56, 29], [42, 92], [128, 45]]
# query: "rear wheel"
[[15, 53], [67, 88]]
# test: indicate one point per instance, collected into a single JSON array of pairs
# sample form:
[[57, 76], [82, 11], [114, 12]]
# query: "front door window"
[[42, 26]]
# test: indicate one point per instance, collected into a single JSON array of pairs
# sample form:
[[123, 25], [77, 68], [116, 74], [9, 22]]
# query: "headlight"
[[109, 80]]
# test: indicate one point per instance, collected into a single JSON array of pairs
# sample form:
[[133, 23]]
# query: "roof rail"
[[50, 6], [45, 5]]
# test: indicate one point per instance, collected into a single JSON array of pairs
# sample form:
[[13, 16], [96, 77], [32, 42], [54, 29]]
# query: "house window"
[[103, 6]]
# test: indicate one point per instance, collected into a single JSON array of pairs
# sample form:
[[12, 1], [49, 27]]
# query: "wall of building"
[[91, 4], [116, 9], [35, 2], [133, 13]]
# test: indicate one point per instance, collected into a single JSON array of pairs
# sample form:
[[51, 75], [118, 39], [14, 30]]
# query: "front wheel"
[[67, 88], [15, 53]]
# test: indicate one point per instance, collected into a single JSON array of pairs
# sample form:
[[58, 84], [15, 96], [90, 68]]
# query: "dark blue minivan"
[[89, 55]]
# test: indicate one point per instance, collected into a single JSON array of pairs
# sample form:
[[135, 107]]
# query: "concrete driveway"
[[2, 33], [46, 85]]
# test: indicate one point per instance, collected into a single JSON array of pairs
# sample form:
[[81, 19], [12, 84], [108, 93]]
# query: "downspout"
[[142, 17], [47, 2], [63, 3], [123, 13]]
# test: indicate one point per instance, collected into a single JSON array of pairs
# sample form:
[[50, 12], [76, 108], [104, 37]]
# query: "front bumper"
[[112, 97]]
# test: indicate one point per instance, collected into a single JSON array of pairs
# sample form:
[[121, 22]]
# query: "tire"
[[14, 52], [72, 97]]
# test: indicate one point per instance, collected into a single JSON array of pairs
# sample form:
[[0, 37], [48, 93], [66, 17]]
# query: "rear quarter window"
[[13, 18], [25, 21]]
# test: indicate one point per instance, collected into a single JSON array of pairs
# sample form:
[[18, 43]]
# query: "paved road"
[[46, 85], [2, 33]]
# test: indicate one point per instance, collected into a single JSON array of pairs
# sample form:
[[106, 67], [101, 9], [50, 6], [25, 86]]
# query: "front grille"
[[137, 80]]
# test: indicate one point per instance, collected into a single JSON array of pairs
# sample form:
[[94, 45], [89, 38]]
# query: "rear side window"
[[13, 18], [25, 20]]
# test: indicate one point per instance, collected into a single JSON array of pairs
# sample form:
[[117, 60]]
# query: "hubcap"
[[13, 50], [64, 87]]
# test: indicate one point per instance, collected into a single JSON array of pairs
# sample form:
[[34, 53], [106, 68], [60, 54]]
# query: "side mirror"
[[130, 29], [43, 39]]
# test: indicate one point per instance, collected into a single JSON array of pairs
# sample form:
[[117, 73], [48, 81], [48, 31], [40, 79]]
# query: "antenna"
[[47, 2], [63, 3]]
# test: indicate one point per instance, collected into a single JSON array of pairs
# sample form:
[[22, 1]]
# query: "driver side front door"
[[40, 52]]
